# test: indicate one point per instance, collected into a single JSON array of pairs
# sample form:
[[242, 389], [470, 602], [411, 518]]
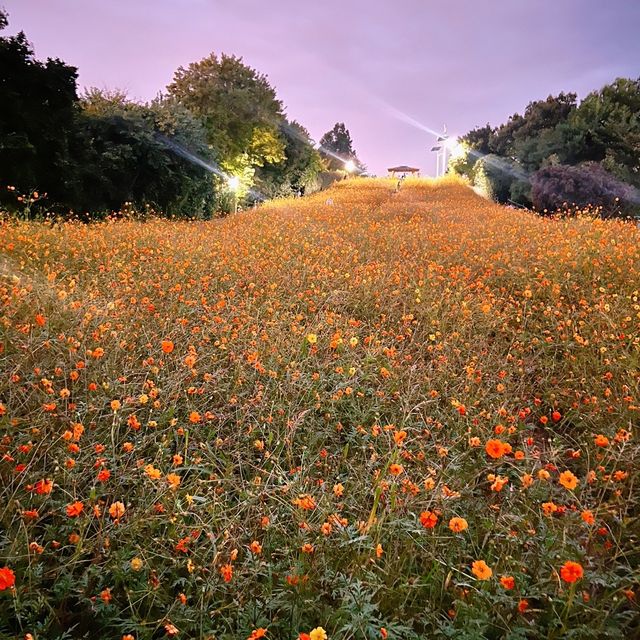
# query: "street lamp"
[[233, 182]]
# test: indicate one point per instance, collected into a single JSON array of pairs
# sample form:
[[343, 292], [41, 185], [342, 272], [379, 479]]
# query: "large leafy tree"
[[37, 112], [238, 106]]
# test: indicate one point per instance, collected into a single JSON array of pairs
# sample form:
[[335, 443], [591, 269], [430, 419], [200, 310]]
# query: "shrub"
[[561, 187]]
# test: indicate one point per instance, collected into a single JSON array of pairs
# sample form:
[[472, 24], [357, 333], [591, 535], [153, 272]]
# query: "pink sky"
[[459, 62]]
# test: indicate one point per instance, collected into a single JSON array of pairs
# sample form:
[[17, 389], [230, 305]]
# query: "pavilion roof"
[[403, 168]]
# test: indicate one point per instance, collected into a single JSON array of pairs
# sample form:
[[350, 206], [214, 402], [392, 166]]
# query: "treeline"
[[96, 153], [560, 154]]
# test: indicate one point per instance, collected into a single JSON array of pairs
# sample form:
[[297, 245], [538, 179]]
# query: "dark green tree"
[[37, 119], [298, 173], [144, 154], [607, 129], [336, 147]]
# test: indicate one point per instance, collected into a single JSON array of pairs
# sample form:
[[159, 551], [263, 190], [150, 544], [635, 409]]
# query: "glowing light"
[[456, 148], [350, 166], [233, 182]]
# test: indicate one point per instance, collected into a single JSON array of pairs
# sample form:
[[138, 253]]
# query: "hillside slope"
[[400, 415]]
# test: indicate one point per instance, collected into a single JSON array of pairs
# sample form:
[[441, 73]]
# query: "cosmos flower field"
[[357, 415]]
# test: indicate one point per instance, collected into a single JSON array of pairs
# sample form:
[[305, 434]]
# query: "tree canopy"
[[603, 129], [96, 151]]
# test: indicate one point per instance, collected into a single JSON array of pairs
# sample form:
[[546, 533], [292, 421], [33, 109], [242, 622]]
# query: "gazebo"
[[402, 169]]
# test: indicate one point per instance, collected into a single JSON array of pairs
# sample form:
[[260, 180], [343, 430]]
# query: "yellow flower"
[[312, 338], [136, 564], [318, 634]]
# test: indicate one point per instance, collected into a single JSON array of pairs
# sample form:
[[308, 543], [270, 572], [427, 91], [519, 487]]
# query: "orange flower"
[[601, 441], [167, 346], [43, 487], [226, 571], [458, 524], [152, 472], [587, 516], [305, 502], [396, 469], [194, 417], [174, 480], [428, 519], [481, 570], [571, 571], [568, 480], [257, 633], [103, 475], [7, 578], [508, 582], [495, 448], [116, 510], [255, 547], [74, 509], [399, 437]]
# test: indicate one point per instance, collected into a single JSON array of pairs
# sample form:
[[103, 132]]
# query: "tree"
[[336, 147], [37, 112], [145, 154], [238, 106], [608, 125], [298, 173], [564, 187]]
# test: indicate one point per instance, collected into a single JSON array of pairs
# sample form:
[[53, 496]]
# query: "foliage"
[[237, 105], [336, 147], [603, 128], [37, 109], [298, 173], [562, 187], [270, 421]]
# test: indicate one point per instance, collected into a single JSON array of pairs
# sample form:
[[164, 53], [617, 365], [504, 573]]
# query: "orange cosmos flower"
[[588, 517], [458, 524], [174, 480], [74, 509], [495, 448], [428, 519], [255, 547], [399, 437], [152, 472], [43, 487], [568, 480], [103, 475], [7, 578], [571, 571], [396, 469], [508, 582], [166, 346], [226, 571], [194, 417], [305, 502], [481, 570], [116, 510]]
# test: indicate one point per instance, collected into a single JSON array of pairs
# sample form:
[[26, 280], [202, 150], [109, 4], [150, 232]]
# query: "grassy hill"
[[402, 415]]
